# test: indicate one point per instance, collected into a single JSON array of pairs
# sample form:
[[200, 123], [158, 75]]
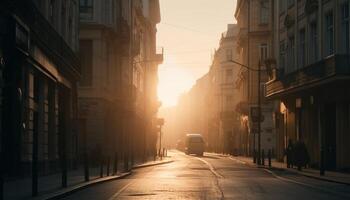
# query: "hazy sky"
[[189, 32]]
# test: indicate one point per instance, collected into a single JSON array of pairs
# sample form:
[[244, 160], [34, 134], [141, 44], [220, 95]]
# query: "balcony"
[[314, 75]]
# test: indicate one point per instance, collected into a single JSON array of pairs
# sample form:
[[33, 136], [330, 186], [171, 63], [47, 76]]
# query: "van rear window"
[[196, 139]]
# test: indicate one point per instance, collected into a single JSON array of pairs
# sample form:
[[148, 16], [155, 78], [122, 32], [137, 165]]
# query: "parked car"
[[194, 144]]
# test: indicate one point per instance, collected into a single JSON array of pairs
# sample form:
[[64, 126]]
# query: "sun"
[[173, 81]]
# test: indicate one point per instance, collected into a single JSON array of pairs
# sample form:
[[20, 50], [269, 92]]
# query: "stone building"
[[104, 40], [117, 93], [255, 24], [40, 69], [146, 57], [223, 95], [312, 77]]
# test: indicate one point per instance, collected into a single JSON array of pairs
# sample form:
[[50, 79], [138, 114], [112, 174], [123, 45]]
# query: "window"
[[313, 43], [344, 42], [86, 48], [31, 85], [262, 91], [282, 56], [70, 24], [229, 75], [329, 35], [86, 9], [228, 103], [63, 18], [282, 6], [302, 48], [51, 10], [263, 52], [291, 55], [228, 54], [264, 12], [290, 3]]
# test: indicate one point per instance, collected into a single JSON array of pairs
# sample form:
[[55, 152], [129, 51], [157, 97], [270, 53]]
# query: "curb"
[[73, 189], [69, 191], [318, 178], [152, 164], [344, 195], [293, 171]]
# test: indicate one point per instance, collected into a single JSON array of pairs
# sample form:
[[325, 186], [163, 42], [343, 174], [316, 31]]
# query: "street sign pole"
[[160, 141], [160, 123]]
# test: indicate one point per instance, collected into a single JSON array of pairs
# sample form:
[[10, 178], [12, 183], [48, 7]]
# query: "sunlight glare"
[[173, 81]]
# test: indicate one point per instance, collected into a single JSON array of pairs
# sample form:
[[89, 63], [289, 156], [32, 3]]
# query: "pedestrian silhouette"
[[301, 155], [289, 154]]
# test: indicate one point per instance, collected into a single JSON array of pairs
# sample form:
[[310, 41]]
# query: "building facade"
[[223, 95], [104, 38], [191, 114], [311, 80], [40, 70], [117, 93], [254, 42]]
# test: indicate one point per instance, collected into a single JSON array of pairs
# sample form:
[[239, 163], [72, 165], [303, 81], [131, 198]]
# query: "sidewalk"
[[50, 186], [336, 177], [165, 160]]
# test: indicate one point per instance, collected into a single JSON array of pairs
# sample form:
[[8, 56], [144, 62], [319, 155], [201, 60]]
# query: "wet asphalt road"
[[212, 177]]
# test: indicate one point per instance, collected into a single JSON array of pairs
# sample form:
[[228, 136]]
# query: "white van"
[[194, 144]]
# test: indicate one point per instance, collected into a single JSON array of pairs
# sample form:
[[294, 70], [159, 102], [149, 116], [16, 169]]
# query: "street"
[[212, 177]]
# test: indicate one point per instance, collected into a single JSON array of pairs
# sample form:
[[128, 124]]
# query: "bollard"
[[35, 163], [269, 157], [108, 165], [115, 168], [254, 156], [322, 168], [132, 159], [86, 167], [125, 162], [101, 167], [263, 157]]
